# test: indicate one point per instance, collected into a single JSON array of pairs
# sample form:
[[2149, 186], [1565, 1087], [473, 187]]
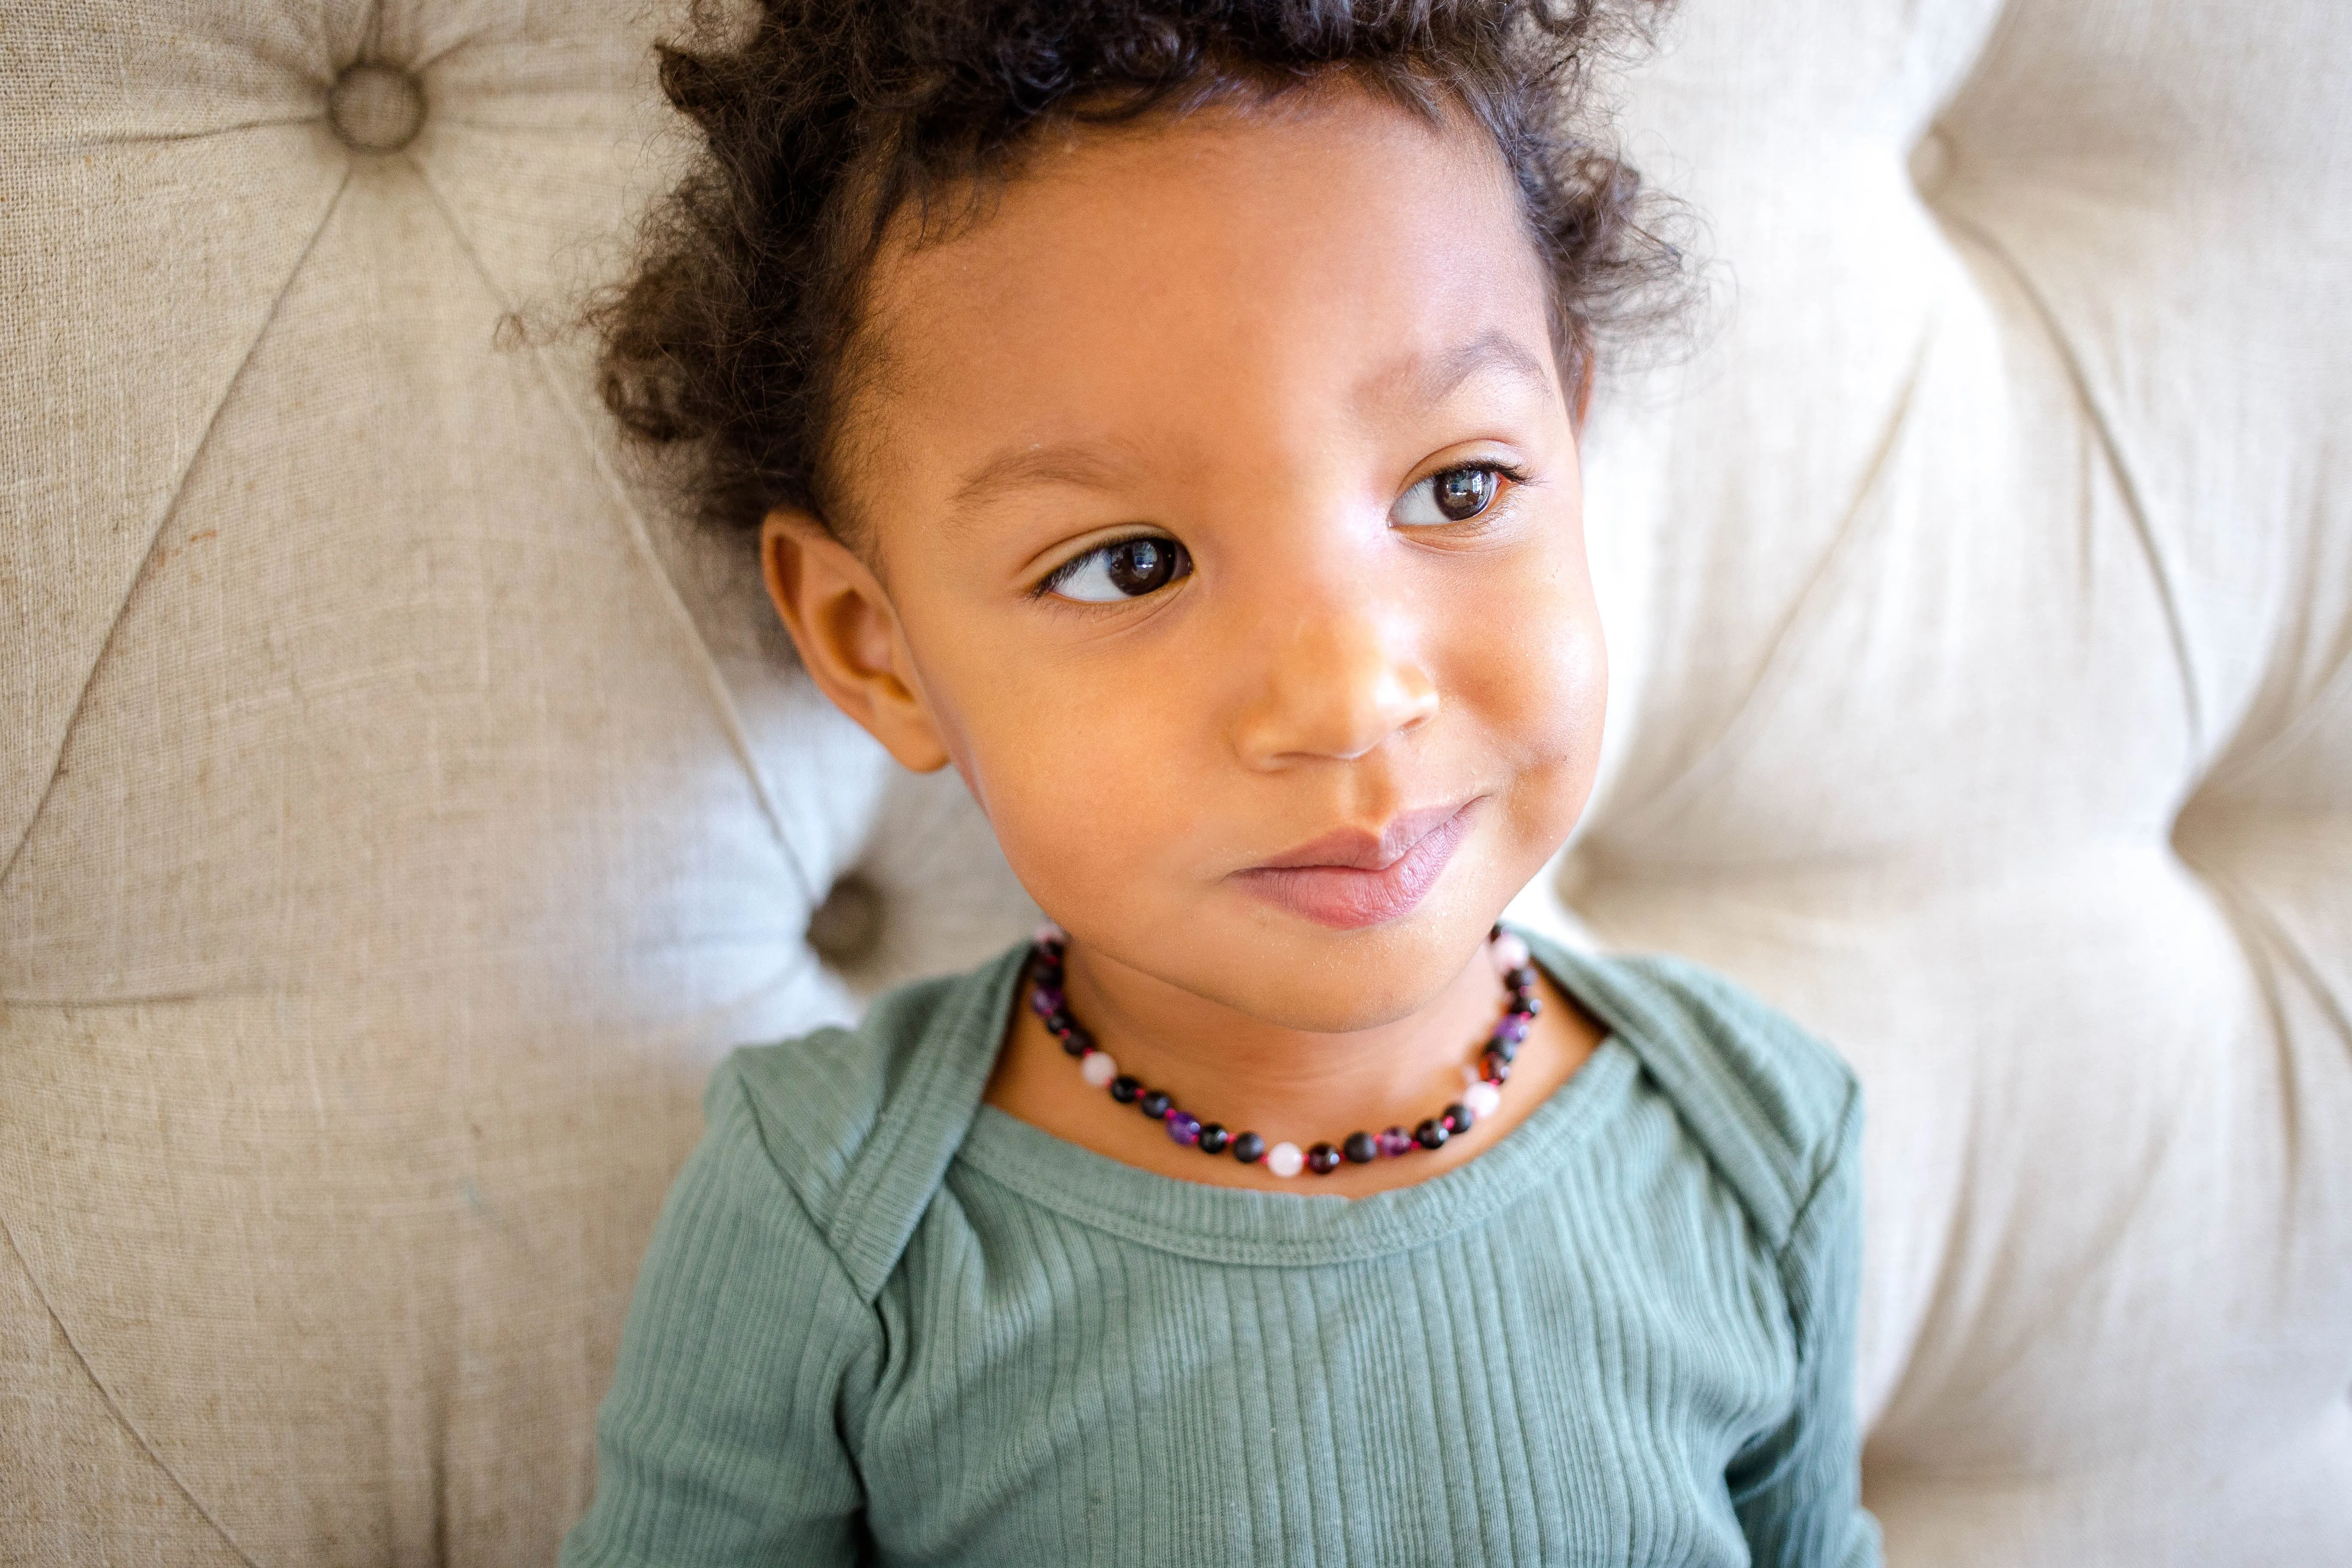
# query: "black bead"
[[1249, 1148], [1521, 979], [1156, 1104], [1323, 1159], [1527, 1002], [1213, 1138], [1059, 1021], [1458, 1119], [1494, 934], [1078, 1042], [1497, 1065], [1362, 1148], [1430, 1134], [1124, 1088], [1506, 1049]]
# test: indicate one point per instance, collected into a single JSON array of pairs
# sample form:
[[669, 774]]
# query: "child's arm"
[[1798, 1487], [719, 1442]]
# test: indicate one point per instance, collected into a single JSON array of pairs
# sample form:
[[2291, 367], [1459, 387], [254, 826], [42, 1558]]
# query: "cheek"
[[1087, 786], [1539, 693]]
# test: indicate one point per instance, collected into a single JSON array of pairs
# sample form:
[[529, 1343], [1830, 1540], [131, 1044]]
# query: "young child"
[[1166, 412]]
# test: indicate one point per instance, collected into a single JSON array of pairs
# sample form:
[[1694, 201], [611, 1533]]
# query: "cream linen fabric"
[[397, 815]]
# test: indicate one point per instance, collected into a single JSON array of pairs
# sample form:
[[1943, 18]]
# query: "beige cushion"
[[397, 815]]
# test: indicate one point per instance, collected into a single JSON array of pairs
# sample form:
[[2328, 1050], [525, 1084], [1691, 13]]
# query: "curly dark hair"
[[728, 344]]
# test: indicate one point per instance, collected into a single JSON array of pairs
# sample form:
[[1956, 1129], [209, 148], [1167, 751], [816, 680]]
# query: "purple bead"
[[1394, 1141], [1184, 1127], [1513, 1028], [1045, 1002]]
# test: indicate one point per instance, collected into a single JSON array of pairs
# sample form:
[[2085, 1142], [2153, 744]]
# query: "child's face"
[[1302, 352]]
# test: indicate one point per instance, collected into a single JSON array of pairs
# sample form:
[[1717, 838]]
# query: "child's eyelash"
[[1069, 569], [1511, 471], [1052, 580]]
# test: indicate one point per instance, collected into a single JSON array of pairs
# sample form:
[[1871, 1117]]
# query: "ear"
[[848, 636]]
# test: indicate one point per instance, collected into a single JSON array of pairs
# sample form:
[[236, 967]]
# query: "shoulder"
[[1776, 1111], [861, 1123]]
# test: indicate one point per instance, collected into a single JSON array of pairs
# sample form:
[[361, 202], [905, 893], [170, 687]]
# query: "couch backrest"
[[398, 816]]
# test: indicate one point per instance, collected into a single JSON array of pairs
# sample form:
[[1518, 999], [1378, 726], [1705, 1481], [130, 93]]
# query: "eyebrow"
[[1085, 466], [1426, 381], [1073, 463]]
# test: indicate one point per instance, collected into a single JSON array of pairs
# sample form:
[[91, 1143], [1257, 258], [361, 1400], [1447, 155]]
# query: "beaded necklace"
[[1484, 1093]]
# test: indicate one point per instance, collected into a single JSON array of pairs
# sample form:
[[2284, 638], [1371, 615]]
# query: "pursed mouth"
[[1350, 879]]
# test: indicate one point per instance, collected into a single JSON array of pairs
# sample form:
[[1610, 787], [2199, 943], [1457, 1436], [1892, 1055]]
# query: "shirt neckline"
[[1246, 1226]]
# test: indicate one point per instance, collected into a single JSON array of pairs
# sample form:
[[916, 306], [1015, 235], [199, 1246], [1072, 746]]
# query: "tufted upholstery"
[[397, 815]]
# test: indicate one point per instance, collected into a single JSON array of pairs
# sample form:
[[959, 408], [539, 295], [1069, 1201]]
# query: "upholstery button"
[[1931, 163], [847, 926], [375, 107]]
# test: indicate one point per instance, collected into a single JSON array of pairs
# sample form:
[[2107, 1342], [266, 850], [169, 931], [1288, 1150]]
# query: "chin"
[[1301, 976]]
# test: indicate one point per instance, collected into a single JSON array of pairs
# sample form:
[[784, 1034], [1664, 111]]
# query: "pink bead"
[[1396, 1141], [1483, 1099], [1508, 953]]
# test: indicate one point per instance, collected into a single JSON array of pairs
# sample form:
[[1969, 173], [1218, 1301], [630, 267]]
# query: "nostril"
[[1339, 714], [376, 107]]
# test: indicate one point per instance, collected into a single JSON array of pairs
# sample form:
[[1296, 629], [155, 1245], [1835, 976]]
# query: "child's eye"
[[1128, 569], [1450, 495]]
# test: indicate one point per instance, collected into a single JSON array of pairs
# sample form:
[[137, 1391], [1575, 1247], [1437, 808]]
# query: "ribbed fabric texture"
[[881, 1321]]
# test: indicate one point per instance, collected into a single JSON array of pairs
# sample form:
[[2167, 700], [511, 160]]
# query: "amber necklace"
[[1496, 1054]]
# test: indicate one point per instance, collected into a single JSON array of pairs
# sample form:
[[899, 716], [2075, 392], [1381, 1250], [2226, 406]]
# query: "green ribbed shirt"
[[881, 1321]]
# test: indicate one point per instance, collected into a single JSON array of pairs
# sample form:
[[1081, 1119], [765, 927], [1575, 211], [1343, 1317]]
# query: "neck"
[[1226, 1066]]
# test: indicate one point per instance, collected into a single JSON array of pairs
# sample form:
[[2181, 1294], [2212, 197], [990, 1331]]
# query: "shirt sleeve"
[[721, 1441], [1798, 1487]]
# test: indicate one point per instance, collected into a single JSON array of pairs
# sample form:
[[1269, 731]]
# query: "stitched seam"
[[170, 504], [114, 1407], [641, 540], [2103, 425], [1751, 715]]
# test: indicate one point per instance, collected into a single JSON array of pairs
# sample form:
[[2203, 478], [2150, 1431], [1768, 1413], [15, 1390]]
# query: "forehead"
[[1275, 266]]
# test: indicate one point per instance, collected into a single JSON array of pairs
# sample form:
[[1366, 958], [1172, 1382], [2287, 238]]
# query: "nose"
[[1339, 684]]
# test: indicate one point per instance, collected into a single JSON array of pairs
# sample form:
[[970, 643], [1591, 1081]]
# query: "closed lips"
[[1354, 878]]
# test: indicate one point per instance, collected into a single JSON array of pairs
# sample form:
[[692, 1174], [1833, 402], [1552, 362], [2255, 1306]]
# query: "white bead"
[[1097, 1068], [1049, 932], [1284, 1160], [1509, 952], [1480, 1099]]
